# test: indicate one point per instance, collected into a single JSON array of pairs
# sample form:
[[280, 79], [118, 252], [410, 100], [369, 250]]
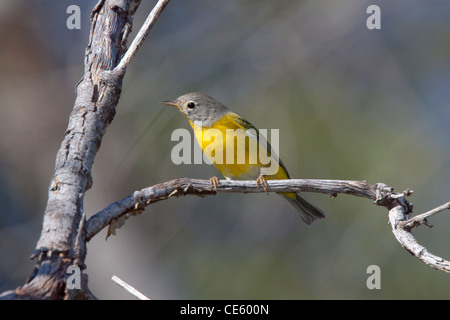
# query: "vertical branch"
[[94, 109], [63, 241]]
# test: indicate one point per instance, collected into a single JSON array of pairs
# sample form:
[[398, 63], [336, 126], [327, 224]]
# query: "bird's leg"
[[262, 181], [215, 182]]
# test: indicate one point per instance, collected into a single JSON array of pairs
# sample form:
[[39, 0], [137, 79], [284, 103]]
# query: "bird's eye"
[[191, 105]]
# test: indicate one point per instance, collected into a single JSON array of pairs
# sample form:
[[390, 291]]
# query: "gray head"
[[197, 106]]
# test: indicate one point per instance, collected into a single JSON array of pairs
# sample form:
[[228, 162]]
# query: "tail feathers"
[[306, 211]]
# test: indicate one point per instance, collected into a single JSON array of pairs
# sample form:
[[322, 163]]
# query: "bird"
[[204, 113]]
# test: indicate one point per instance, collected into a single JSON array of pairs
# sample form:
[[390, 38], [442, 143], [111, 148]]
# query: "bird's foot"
[[215, 182], [261, 181]]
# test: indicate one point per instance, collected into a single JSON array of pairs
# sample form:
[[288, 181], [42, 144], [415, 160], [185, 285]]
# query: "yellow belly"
[[234, 153]]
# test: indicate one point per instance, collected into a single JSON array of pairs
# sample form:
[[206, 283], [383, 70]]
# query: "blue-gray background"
[[350, 103]]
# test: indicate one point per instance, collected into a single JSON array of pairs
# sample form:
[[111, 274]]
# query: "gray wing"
[[256, 135]]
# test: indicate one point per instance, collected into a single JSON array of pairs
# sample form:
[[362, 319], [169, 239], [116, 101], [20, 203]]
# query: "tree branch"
[[402, 232], [140, 37], [129, 288], [179, 187], [422, 218], [382, 195], [63, 237]]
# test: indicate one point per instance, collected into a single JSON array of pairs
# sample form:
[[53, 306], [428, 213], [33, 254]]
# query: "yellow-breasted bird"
[[204, 113]]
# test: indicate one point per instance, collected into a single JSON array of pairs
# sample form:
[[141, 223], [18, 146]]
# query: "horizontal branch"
[[185, 186], [382, 195]]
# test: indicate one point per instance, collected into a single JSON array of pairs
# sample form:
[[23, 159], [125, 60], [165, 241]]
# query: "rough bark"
[[63, 241]]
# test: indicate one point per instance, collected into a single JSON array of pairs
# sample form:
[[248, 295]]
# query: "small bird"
[[204, 113]]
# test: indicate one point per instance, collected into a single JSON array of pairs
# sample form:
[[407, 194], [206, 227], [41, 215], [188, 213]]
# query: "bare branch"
[[140, 37], [129, 288], [422, 218], [62, 241], [383, 195], [184, 186], [401, 230]]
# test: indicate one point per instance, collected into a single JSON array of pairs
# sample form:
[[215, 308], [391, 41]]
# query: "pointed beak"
[[172, 104]]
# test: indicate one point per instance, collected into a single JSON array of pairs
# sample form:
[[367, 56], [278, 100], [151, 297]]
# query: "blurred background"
[[350, 103]]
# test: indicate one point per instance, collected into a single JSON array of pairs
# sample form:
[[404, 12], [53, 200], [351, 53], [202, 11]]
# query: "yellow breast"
[[234, 152]]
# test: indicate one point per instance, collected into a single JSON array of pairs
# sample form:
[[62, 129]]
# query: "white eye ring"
[[191, 104]]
